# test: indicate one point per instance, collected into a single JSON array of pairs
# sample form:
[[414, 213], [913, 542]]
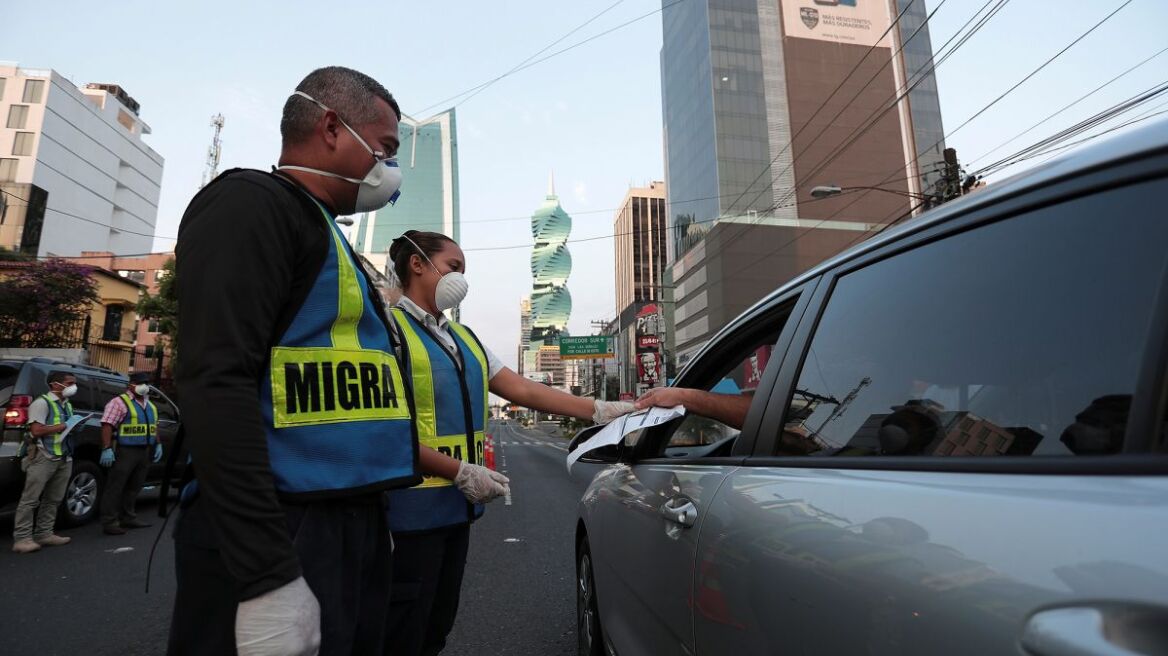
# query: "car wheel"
[[590, 637], [81, 494]]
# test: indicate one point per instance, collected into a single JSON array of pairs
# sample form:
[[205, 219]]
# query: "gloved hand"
[[479, 484], [606, 411], [283, 621], [157, 453], [107, 457]]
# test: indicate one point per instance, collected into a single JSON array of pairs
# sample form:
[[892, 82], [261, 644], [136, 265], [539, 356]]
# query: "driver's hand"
[[661, 397]]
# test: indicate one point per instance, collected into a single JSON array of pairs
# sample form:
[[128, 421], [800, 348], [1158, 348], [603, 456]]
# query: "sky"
[[592, 115]]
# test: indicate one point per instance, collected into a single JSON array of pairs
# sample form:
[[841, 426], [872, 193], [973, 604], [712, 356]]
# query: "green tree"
[[45, 305], [163, 308]]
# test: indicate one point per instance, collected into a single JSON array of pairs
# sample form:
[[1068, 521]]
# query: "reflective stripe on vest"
[[336, 411], [59, 413], [140, 427], [450, 406]]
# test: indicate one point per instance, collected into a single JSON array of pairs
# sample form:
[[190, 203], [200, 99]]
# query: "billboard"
[[857, 22]]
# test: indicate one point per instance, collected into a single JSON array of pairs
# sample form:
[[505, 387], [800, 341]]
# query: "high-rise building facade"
[[524, 333], [641, 257], [764, 100], [551, 304], [75, 173], [428, 157]]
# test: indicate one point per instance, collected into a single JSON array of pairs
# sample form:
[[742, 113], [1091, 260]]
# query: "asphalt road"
[[518, 596], [88, 597]]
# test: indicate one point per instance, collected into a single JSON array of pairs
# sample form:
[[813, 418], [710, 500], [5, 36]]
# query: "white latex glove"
[[479, 484], [284, 621], [606, 411]]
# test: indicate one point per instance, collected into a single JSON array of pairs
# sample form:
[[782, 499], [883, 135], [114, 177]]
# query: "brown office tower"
[[765, 100]]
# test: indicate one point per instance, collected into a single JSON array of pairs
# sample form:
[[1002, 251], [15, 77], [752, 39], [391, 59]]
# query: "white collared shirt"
[[440, 328]]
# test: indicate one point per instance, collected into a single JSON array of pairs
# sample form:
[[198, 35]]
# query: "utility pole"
[[599, 386], [213, 152]]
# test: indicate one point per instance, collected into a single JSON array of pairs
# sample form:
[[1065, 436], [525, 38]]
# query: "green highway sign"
[[586, 348]]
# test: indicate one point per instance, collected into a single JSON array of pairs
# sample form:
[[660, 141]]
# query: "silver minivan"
[[956, 446]]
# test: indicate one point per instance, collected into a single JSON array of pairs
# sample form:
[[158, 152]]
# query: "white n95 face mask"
[[142, 390], [452, 287], [451, 290], [381, 186], [69, 391]]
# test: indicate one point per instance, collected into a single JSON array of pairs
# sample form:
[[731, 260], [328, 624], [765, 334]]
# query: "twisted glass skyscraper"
[[551, 304]]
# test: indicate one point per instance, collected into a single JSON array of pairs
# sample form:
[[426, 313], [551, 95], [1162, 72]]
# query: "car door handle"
[[1104, 630], [680, 510]]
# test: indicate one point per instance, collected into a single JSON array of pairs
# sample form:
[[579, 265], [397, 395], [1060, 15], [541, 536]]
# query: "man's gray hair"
[[348, 92]]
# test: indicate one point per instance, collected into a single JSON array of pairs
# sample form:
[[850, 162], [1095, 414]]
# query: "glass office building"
[[428, 156]]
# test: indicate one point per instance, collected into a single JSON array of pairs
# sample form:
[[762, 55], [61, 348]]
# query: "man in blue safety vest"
[[129, 443], [294, 405]]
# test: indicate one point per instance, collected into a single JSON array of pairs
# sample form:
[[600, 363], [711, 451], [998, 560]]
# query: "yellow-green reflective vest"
[[450, 407]]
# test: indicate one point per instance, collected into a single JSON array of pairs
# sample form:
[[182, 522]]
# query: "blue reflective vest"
[[450, 408], [336, 411], [140, 426]]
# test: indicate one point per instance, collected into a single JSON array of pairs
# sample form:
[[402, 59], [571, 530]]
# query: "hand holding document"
[[74, 421], [616, 430]]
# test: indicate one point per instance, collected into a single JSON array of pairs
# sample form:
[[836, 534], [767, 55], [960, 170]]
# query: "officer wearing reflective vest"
[[294, 405], [451, 373], [47, 462], [129, 423]]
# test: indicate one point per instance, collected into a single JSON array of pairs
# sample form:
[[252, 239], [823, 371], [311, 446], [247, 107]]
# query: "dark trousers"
[[427, 581], [344, 549], [124, 484]]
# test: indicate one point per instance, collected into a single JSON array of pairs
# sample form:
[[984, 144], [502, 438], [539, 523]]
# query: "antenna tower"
[[214, 151]]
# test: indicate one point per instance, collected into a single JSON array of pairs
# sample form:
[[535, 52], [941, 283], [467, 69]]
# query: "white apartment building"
[[74, 172]]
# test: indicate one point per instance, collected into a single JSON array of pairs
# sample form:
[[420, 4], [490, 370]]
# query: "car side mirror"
[[604, 455], [582, 436]]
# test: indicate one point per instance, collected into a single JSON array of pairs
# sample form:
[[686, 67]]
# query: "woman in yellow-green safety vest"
[[451, 374]]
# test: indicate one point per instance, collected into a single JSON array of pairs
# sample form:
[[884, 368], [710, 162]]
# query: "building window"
[[2, 84], [112, 331], [17, 116], [136, 276], [34, 91], [8, 169], [22, 145], [149, 351], [152, 327]]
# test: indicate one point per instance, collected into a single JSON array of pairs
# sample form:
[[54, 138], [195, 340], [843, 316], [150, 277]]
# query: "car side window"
[[87, 395], [166, 411], [107, 390], [1021, 337], [738, 374]]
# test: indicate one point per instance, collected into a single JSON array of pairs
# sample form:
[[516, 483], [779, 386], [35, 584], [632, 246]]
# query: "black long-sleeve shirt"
[[249, 249]]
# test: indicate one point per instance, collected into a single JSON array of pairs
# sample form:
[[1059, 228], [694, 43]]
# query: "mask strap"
[[343, 122], [327, 174], [423, 254]]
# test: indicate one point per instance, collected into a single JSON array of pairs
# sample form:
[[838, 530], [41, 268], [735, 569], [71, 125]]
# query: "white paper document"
[[618, 428], [74, 421]]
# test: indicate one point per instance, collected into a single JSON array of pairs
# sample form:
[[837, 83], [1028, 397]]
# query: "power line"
[[1066, 107], [922, 74], [897, 96], [834, 91], [993, 102], [82, 218], [831, 157], [529, 64]]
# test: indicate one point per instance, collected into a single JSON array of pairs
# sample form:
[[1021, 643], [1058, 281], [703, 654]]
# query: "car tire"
[[82, 494], [590, 637]]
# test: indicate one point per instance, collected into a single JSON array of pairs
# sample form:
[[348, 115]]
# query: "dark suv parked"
[[22, 381]]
